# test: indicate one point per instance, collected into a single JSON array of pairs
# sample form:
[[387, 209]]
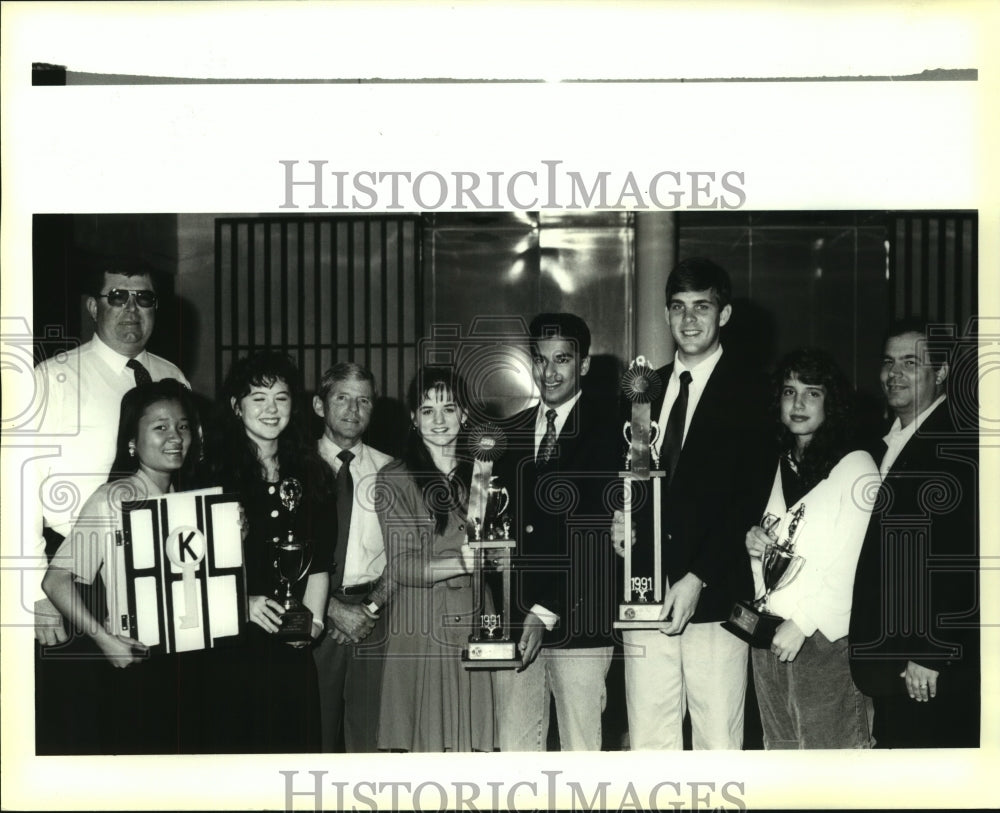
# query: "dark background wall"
[[394, 291]]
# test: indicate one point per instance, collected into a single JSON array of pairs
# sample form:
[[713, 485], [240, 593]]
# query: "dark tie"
[[345, 504], [548, 444], [670, 449], [142, 375]]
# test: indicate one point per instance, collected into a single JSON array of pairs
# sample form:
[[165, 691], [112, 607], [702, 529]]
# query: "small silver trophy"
[[750, 620], [292, 558]]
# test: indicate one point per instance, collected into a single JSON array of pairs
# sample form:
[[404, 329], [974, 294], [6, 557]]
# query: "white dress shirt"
[[365, 556], [700, 373], [898, 435], [80, 393]]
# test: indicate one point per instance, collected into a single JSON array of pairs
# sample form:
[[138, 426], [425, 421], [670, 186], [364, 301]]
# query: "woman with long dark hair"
[[821, 498], [429, 701], [149, 710], [260, 450]]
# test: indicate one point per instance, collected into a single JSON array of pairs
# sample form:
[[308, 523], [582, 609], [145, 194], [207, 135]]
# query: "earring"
[[131, 450]]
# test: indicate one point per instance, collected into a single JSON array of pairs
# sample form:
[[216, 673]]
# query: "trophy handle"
[[506, 500], [306, 565], [654, 432], [627, 434], [768, 523]]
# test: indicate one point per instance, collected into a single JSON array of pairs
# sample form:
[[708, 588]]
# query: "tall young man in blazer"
[[714, 449], [561, 458], [915, 618]]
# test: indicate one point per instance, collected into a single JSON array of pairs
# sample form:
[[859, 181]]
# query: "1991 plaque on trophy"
[[643, 591]]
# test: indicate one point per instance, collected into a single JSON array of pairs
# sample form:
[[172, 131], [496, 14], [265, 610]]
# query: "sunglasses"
[[119, 296]]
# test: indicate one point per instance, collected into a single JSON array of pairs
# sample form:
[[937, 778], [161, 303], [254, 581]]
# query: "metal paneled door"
[[322, 289]]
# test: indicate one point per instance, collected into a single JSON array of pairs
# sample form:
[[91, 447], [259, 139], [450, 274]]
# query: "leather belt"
[[362, 589]]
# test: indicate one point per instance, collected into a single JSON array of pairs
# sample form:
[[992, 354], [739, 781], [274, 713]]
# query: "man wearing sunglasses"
[[82, 395]]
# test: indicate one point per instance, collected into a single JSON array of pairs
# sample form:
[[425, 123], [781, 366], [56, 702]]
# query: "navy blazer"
[[718, 490], [562, 521], [916, 592]]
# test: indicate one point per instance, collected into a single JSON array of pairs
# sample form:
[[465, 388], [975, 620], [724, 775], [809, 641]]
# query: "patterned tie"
[[141, 374], [548, 445], [345, 505], [673, 437]]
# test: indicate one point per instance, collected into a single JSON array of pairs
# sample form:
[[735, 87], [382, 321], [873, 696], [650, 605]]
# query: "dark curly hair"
[[234, 458], [836, 435], [441, 495], [134, 404]]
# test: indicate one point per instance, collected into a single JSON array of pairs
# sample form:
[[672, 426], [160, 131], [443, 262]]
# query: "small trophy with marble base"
[[750, 620], [292, 558]]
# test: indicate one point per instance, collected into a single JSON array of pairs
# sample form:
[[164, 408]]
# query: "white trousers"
[[702, 670]]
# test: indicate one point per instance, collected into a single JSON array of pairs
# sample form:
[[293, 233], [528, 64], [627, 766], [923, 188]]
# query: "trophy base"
[[296, 625], [490, 544], [639, 617], [491, 655], [756, 627]]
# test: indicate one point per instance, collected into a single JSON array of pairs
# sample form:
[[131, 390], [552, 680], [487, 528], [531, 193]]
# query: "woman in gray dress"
[[430, 703]]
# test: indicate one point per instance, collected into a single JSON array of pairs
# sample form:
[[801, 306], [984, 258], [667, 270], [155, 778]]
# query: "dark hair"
[[938, 347], [134, 404], [440, 494], [836, 435], [234, 457], [95, 266], [567, 326], [343, 371], [700, 274]]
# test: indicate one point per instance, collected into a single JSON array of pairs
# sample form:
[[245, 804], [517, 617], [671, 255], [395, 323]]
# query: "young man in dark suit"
[[561, 458], [713, 447], [915, 618]]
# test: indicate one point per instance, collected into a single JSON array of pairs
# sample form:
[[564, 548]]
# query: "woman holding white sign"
[[819, 508], [158, 448]]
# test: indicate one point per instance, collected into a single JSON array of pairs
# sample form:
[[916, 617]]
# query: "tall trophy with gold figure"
[[490, 645], [643, 593]]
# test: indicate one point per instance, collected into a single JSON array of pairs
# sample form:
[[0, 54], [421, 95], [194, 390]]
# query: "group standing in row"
[[863, 656]]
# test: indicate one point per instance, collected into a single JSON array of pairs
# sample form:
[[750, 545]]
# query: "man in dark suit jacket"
[[718, 471], [915, 618], [561, 458]]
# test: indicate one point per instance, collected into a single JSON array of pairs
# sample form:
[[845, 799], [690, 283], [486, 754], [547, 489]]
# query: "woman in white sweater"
[[803, 682]]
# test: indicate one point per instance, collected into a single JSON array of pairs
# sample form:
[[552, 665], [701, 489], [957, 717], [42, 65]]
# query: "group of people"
[[876, 645]]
